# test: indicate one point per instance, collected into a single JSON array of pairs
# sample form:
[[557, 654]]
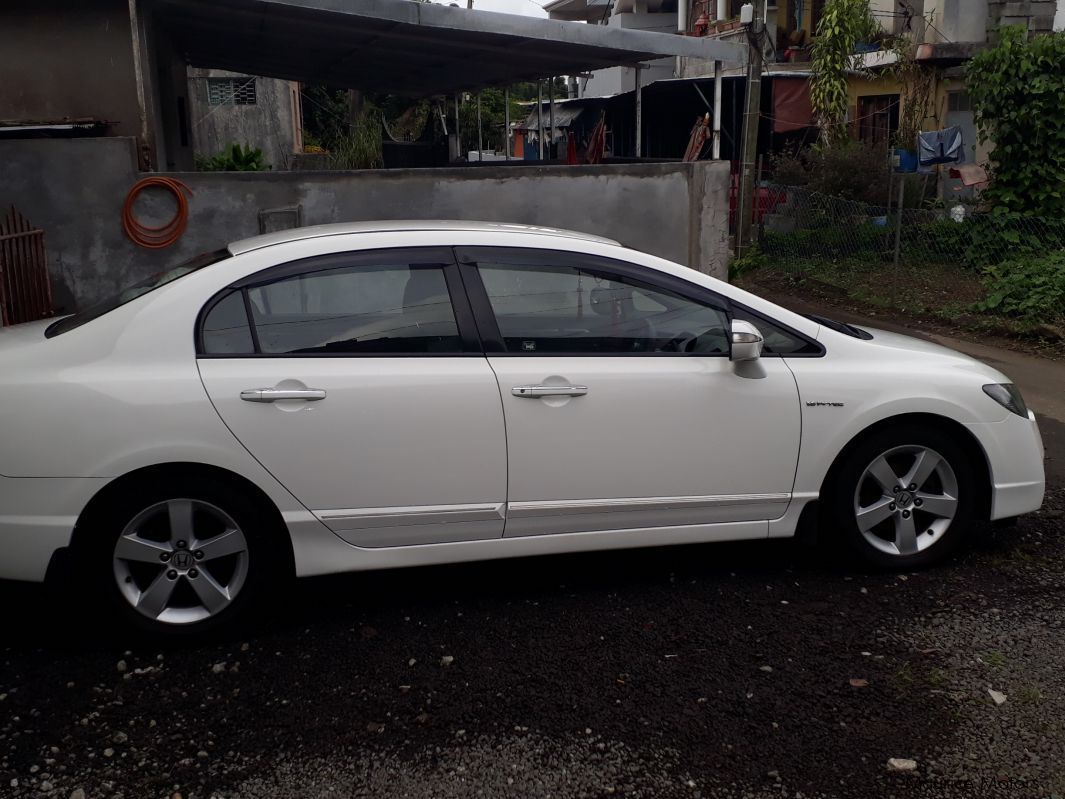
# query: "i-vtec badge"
[[824, 404]]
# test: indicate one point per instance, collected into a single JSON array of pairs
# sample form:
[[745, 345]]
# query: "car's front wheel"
[[183, 559], [904, 496]]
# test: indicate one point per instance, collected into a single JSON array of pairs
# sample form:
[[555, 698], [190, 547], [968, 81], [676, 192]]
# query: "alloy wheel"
[[906, 500], [181, 561]]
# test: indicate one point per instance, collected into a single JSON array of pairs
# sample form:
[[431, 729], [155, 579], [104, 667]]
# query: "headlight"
[[1008, 396]]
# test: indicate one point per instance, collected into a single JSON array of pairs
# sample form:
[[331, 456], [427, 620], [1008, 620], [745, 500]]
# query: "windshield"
[[133, 292]]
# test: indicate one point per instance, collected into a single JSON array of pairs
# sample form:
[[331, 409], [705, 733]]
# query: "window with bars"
[[231, 91], [959, 101], [878, 118]]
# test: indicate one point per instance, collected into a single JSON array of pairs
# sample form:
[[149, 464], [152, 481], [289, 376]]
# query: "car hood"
[[27, 333], [919, 347]]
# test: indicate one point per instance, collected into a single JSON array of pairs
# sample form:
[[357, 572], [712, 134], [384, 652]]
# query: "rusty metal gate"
[[25, 290]]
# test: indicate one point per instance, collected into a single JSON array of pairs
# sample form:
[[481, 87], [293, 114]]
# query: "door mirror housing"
[[746, 341]]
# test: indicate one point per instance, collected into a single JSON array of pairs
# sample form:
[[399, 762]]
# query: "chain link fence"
[[795, 223]]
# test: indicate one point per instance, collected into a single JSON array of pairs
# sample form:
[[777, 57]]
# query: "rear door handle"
[[534, 392], [278, 394]]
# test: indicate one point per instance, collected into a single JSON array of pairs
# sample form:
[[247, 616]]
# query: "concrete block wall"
[[74, 189], [1036, 15]]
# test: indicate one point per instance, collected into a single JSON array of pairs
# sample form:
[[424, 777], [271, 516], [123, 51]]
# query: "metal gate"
[[25, 290]]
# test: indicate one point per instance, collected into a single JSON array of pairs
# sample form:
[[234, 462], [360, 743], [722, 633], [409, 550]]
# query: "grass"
[[943, 293], [1028, 692], [994, 658]]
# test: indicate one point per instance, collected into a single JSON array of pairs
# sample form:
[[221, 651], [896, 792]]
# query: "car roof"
[[403, 226]]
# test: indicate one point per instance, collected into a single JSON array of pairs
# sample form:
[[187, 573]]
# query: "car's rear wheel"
[[182, 559], [904, 497]]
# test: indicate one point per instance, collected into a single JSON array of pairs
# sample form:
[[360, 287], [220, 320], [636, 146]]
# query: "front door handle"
[[534, 392], [278, 394]]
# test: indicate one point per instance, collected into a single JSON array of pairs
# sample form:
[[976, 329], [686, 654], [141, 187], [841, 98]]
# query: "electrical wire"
[[156, 238]]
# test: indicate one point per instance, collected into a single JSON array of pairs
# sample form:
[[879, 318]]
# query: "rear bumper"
[[37, 518], [1015, 455]]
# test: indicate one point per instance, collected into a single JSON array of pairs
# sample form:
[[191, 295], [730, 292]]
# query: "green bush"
[[360, 146], [751, 260], [233, 159], [849, 170], [832, 241], [1030, 287], [1016, 88], [995, 238]]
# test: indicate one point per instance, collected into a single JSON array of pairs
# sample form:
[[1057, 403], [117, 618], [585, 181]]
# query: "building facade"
[[229, 108], [109, 66], [659, 16]]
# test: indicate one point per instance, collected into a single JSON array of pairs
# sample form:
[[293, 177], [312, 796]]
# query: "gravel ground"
[[754, 670]]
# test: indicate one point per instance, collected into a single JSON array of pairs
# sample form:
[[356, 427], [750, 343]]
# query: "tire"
[[885, 522], [178, 559]]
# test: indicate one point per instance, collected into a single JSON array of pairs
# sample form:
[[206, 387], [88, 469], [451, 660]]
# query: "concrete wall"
[[1036, 15], [75, 189], [272, 124], [961, 21], [69, 58]]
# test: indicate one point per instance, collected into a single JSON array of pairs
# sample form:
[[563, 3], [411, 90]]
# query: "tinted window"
[[226, 330], [568, 309], [357, 310], [778, 340], [133, 292]]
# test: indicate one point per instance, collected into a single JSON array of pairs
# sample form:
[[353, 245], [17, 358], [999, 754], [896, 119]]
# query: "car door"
[[622, 407], [358, 381]]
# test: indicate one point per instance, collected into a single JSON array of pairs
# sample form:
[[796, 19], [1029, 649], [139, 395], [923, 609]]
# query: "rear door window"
[[367, 303]]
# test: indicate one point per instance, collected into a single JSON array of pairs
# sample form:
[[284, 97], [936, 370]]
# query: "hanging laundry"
[[970, 174], [571, 148], [697, 139], [941, 147], [597, 141]]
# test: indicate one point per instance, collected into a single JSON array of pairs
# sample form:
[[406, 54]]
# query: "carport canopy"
[[406, 47]]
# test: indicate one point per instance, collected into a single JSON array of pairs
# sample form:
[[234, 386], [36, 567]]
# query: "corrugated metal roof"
[[406, 47], [564, 116]]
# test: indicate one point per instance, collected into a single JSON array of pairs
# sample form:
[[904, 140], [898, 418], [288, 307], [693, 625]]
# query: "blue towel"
[[941, 147]]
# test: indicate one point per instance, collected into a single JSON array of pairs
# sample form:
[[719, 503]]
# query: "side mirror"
[[746, 342]]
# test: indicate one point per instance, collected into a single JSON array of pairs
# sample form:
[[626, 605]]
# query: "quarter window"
[[556, 309], [226, 329], [778, 340]]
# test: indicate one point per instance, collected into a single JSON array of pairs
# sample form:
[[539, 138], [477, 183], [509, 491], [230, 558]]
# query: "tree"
[[1016, 88], [843, 25]]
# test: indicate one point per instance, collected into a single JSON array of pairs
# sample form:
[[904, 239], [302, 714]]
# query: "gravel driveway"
[[754, 670]]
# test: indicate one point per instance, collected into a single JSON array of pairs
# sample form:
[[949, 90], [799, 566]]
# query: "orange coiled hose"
[[163, 236]]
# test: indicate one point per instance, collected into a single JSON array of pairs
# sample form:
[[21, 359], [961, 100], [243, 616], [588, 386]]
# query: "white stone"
[[901, 764]]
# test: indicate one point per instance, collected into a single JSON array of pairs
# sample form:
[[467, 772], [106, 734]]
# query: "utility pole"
[[540, 115], [639, 112], [506, 121], [480, 133], [751, 117]]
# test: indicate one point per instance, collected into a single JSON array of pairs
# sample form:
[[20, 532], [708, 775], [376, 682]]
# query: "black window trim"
[[469, 257], [383, 256]]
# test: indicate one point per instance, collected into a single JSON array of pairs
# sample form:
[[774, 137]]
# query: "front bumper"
[[1015, 455], [37, 518]]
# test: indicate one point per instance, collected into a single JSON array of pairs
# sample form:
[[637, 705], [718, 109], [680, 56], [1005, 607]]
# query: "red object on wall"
[[792, 108]]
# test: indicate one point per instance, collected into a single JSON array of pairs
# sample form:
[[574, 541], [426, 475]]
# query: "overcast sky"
[[530, 8]]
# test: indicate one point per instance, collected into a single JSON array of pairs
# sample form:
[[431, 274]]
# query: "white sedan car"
[[369, 396]]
